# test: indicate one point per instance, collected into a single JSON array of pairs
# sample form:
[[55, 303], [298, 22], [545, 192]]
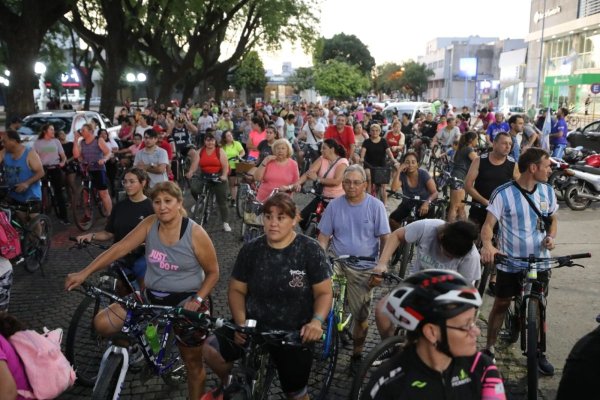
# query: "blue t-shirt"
[[560, 125], [496, 127], [355, 228]]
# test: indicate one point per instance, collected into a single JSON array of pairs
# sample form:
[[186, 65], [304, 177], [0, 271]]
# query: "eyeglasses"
[[468, 328], [126, 182], [348, 182]]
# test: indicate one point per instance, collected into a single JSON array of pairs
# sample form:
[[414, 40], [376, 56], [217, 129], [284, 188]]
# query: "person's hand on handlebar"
[[488, 252], [85, 238], [376, 279], [223, 177], [424, 209], [548, 242], [311, 331], [75, 280]]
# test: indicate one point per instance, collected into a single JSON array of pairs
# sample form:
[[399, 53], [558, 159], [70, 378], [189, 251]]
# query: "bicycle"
[[49, 200], [312, 229], [34, 236], [245, 187], [84, 347], [486, 269], [83, 210], [405, 251], [204, 204], [165, 362], [530, 317], [379, 176], [181, 166], [254, 374]]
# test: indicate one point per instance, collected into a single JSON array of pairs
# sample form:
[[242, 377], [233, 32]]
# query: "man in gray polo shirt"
[[152, 158]]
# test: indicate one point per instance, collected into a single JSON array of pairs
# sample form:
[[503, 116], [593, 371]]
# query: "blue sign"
[[595, 88]]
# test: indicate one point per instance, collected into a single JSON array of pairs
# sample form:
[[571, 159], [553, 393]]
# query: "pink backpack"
[[10, 245], [48, 370]]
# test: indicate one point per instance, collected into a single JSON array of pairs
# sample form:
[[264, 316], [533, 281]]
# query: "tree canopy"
[[345, 48], [339, 80], [302, 79], [250, 73]]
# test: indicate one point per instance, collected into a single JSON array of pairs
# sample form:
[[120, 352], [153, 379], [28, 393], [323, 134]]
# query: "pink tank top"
[[331, 191]]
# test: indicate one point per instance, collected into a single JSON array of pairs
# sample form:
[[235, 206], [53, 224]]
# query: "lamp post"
[[40, 69]]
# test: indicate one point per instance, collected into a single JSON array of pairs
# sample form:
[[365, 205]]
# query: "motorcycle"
[[559, 179], [583, 187]]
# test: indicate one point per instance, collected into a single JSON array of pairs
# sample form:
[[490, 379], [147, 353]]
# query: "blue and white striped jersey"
[[519, 234]]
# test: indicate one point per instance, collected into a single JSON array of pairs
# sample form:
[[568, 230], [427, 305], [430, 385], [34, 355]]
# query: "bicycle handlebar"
[[389, 277], [314, 193], [399, 195], [473, 204], [561, 261], [352, 259]]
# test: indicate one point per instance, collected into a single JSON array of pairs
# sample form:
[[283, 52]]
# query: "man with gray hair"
[[356, 224]]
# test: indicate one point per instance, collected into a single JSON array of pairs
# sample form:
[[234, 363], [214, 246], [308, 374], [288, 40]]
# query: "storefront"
[[568, 90]]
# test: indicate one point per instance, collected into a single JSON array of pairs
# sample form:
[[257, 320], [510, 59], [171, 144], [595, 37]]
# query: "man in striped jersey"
[[521, 233]]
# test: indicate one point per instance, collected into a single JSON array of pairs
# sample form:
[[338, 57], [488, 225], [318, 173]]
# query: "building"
[[570, 62], [466, 69]]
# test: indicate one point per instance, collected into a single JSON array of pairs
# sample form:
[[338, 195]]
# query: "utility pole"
[[539, 77]]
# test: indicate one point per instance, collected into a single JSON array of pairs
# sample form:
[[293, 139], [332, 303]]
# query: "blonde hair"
[[170, 188], [286, 143]]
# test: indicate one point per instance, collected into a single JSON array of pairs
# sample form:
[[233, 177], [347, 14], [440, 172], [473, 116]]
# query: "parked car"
[[512, 110], [95, 101], [588, 137], [68, 121], [409, 107]]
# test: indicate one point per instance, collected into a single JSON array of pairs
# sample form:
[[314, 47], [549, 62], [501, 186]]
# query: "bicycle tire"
[[311, 230], [532, 351], [84, 347], [407, 253], [265, 375], [198, 211], [325, 354], [396, 257], [106, 386], [241, 197], [392, 345], [177, 374], [485, 276], [512, 321], [83, 211], [36, 242], [45, 206]]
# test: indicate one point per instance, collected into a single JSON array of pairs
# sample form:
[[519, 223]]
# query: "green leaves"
[[340, 80], [345, 48], [250, 74]]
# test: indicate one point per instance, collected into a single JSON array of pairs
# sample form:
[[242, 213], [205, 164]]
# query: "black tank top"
[[491, 176]]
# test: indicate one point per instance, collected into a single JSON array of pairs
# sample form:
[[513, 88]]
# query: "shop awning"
[[570, 80]]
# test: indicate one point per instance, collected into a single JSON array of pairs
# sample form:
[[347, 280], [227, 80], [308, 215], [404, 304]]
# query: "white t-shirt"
[[428, 254], [141, 129], [310, 138], [447, 137], [279, 124], [205, 122]]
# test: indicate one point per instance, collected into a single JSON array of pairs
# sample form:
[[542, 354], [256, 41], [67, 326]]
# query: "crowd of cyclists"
[[282, 279]]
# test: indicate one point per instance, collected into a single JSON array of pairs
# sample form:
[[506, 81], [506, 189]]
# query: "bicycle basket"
[[242, 167], [253, 212], [381, 175]]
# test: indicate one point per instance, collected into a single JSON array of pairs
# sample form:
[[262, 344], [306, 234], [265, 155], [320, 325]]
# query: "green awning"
[[570, 80]]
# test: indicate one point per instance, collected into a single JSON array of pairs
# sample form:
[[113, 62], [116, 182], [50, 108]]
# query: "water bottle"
[[152, 337]]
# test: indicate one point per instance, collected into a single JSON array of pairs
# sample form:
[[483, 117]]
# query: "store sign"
[[595, 88], [538, 16]]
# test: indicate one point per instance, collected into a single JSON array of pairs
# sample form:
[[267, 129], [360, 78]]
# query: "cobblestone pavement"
[[41, 301]]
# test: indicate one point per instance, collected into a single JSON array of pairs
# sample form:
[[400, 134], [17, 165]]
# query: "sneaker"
[[544, 365], [492, 289], [226, 227], [355, 362], [386, 355], [490, 353]]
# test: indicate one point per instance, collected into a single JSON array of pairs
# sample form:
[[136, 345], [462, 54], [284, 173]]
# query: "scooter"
[[583, 187]]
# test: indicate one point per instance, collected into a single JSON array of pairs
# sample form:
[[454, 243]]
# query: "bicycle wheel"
[[84, 347], [396, 257], [106, 386], [532, 347], [486, 270], [36, 242], [265, 374], [240, 199], [177, 374], [311, 230], [83, 212], [45, 206], [512, 321], [199, 207], [325, 355], [407, 254], [100, 205], [389, 347]]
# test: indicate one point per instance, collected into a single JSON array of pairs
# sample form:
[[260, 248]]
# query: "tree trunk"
[[19, 95], [166, 88]]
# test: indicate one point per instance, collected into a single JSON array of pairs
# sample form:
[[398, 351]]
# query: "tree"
[[302, 79], [345, 48], [339, 80], [387, 78], [250, 74], [414, 78], [23, 25]]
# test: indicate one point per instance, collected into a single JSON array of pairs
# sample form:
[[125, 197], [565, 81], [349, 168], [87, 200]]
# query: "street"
[[572, 305]]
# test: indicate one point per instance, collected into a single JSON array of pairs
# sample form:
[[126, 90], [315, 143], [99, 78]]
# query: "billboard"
[[467, 67]]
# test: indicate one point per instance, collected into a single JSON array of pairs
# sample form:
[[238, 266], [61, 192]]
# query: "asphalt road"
[[572, 305]]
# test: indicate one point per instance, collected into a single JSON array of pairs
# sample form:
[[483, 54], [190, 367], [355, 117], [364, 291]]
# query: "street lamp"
[[40, 69], [132, 78]]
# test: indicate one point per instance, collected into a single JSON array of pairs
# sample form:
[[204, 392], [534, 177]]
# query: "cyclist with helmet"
[[438, 308]]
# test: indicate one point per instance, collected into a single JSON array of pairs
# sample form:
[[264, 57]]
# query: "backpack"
[[10, 245], [48, 370]]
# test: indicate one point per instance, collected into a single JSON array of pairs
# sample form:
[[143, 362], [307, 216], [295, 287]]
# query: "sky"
[[398, 30]]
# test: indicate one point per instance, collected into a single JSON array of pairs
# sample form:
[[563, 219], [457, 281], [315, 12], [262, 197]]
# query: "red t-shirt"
[[394, 140], [346, 138], [210, 163]]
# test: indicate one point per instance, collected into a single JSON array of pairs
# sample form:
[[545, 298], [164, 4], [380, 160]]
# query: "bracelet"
[[198, 300], [319, 318]]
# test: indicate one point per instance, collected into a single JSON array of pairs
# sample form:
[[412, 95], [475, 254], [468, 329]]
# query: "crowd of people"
[[283, 278]]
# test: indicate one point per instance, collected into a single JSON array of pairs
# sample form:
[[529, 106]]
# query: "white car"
[[409, 107], [68, 121]]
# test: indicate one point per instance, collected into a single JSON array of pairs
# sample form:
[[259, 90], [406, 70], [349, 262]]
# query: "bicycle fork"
[[114, 349]]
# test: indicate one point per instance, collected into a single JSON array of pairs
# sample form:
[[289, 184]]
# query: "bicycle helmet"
[[432, 295]]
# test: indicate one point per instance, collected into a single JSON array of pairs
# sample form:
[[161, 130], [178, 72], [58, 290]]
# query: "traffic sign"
[[595, 88]]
